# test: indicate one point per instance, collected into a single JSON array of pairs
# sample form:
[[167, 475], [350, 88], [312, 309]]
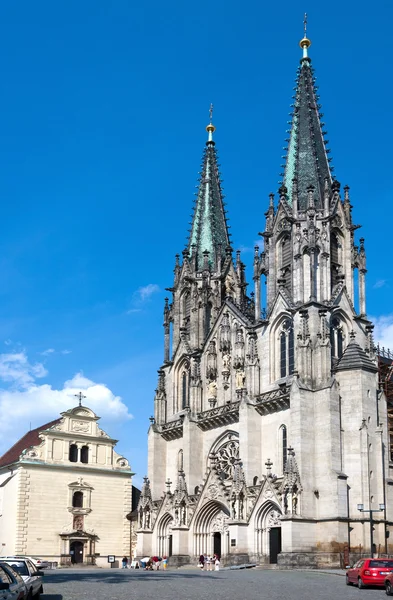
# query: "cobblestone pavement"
[[182, 584]]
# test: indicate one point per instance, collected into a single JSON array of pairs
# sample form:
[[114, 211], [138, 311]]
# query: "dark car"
[[369, 571], [12, 586]]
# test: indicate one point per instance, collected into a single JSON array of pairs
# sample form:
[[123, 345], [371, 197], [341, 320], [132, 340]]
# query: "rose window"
[[226, 458]]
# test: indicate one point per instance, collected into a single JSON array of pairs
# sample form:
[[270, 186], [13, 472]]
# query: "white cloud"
[[65, 351], [380, 283], [47, 352], [145, 292], [383, 332], [16, 369], [141, 297], [25, 401]]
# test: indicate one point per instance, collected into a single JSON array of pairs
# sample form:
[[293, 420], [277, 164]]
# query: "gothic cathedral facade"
[[269, 429]]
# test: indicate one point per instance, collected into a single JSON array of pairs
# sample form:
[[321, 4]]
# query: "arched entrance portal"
[[211, 529], [76, 551], [165, 535], [268, 532]]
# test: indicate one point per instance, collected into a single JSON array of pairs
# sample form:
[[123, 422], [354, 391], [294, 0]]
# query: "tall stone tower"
[[269, 429]]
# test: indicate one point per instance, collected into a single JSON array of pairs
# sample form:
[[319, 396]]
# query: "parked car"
[[12, 586], [29, 574], [389, 585], [369, 571], [37, 562]]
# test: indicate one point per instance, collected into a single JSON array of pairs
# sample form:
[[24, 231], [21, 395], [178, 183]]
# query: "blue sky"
[[103, 111]]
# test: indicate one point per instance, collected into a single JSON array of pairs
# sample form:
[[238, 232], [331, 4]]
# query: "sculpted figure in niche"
[[147, 520], [183, 515], [229, 285], [234, 508], [240, 379], [212, 389], [226, 362]]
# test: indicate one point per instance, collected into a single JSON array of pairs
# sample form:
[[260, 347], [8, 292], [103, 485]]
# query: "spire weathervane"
[[305, 43], [80, 397], [210, 128]]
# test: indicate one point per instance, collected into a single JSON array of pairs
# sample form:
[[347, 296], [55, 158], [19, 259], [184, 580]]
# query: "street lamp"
[[362, 509]]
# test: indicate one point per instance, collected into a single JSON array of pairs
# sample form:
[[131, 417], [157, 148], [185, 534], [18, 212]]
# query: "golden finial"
[[210, 128], [305, 43]]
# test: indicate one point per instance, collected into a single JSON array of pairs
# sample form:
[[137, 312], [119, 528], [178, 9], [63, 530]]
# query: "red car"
[[369, 571], [389, 585]]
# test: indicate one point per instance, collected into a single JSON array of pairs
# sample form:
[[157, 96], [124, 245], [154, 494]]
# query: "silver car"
[[31, 577], [12, 586]]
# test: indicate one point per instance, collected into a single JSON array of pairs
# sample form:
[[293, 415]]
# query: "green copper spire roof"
[[307, 157], [209, 230]]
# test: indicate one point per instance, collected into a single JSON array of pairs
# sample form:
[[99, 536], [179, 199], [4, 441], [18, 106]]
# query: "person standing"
[[216, 562], [124, 562], [201, 562]]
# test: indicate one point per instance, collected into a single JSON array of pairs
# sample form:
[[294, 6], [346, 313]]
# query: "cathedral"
[[269, 438]]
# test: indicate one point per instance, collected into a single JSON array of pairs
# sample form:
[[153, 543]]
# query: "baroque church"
[[269, 432]]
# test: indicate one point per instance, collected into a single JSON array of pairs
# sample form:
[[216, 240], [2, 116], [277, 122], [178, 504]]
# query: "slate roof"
[[31, 438], [209, 226], [354, 357], [306, 158]]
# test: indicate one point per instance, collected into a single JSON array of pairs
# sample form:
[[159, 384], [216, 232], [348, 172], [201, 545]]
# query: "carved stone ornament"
[[273, 519], [284, 225], [219, 523], [226, 458], [213, 491], [80, 426]]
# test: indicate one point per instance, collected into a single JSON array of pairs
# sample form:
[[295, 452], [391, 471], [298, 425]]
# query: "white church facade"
[[269, 428], [65, 493]]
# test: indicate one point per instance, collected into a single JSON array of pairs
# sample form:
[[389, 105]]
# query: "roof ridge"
[[30, 435]]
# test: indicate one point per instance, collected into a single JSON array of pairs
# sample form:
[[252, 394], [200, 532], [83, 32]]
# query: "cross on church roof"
[[80, 396]]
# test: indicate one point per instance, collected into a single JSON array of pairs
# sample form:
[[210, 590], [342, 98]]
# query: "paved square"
[[250, 584]]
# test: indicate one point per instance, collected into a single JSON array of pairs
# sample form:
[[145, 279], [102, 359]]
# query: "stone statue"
[[226, 362], [234, 508], [240, 379], [229, 285], [183, 515], [212, 388]]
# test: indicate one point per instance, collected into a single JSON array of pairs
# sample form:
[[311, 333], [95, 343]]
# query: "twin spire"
[[307, 166], [209, 229]]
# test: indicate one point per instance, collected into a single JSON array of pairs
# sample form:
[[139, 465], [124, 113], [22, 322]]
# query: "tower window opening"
[[85, 454], [73, 453], [287, 349], [187, 311], [336, 339], [184, 390], [284, 448], [208, 317]]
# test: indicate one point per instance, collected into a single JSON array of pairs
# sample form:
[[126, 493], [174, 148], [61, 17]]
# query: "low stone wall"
[[309, 560]]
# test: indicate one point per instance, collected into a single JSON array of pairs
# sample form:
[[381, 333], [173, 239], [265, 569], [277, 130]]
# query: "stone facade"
[[269, 428], [65, 493]]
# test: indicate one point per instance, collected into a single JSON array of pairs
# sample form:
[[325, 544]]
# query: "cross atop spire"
[[305, 43], [210, 128], [80, 397]]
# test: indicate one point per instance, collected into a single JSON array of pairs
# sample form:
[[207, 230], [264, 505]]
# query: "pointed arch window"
[[336, 339], [185, 390], [287, 349]]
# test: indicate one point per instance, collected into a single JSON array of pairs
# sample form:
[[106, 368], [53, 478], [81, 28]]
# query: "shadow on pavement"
[[52, 597], [107, 576]]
